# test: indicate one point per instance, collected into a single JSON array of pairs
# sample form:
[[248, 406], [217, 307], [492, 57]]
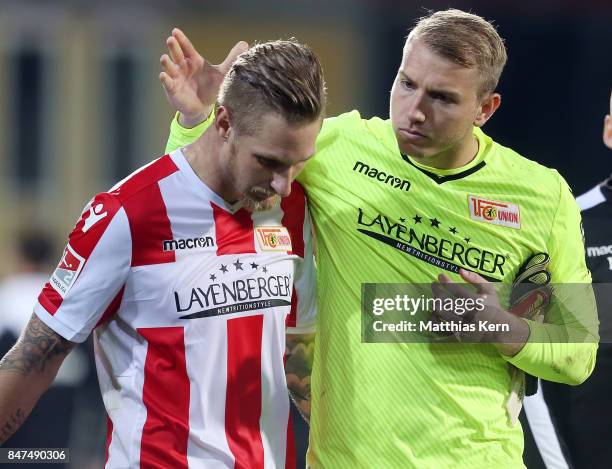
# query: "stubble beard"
[[253, 199], [255, 205]]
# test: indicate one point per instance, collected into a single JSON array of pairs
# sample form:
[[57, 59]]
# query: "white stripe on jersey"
[[207, 445]]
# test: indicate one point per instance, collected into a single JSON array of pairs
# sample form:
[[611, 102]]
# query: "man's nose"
[[414, 108], [281, 183]]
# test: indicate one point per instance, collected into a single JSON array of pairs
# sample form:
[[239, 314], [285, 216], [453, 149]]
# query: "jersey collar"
[[443, 175]]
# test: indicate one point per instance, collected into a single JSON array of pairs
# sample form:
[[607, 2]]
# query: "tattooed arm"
[[298, 368], [26, 372]]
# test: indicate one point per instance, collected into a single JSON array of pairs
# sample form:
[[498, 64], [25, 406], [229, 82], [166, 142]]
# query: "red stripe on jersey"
[[50, 299], [165, 395], [235, 233], [82, 241], [146, 212], [109, 435], [294, 210], [147, 176], [150, 227], [112, 307], [291, 320], [290, 453], [243, 395]]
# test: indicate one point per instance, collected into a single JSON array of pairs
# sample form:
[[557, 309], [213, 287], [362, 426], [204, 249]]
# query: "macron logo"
[[381, 176], [189, 243], [95, 215]]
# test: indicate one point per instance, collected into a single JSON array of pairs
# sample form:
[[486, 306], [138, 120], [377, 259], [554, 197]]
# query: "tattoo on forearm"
[[37, 345], [298, 368], [12, 425]]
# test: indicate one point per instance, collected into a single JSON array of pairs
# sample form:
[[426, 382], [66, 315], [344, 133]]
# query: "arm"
[[298, 368], [563, 348], [26, 371], [97, 257]]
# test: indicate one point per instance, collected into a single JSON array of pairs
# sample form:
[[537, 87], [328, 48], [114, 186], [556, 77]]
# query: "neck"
[[204, 157], [455, 157]]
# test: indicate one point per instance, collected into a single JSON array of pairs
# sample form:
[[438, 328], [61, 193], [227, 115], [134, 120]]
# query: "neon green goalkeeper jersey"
[[382, 218]]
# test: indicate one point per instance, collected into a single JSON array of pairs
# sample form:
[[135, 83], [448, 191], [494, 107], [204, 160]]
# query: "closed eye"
[[441, 97], [267, 162]]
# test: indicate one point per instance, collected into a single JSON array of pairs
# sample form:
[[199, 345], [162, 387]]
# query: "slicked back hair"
[[467, 40], [280, 76]]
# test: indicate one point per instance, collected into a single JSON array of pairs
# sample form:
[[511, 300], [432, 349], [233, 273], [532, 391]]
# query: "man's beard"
[[256, 199], [252, 203]]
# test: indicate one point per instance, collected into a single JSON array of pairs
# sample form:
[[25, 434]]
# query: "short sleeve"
[[90, 276]]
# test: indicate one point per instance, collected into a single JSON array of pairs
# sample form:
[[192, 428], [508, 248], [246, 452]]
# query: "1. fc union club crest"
[[494, 212], [273, 238]]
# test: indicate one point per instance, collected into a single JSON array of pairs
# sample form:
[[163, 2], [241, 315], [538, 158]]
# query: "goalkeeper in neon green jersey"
[[421, 197]]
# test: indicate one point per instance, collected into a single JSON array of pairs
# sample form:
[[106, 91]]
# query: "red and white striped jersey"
[[189, 299]]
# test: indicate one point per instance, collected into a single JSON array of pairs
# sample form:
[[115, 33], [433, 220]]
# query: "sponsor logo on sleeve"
[[67, 271], [96, 213], [273, 238], [494, 212]]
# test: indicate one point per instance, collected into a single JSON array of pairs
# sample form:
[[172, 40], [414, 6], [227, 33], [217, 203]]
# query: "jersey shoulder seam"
[[115, 191]]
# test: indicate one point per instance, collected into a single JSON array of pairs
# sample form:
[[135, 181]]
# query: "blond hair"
[[466, 39], [276, 76]]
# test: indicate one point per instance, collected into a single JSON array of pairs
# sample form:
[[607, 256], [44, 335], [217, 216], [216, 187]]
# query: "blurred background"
[[81, 107]]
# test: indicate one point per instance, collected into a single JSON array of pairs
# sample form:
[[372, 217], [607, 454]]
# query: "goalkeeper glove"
[[530, 295], [531, 290]]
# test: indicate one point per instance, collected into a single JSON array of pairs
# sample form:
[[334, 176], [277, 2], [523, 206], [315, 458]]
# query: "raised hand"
[[190, 82]]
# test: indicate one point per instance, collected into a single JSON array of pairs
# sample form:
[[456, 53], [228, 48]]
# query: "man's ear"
[[222, 122], [607, 133], [488, 106]]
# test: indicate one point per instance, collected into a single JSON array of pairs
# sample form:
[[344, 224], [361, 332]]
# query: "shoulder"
[[133, 199], [297, 197], [144, 179], [512, 165], [294, 205], [295, 218], [140, 194], [353, 123]]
